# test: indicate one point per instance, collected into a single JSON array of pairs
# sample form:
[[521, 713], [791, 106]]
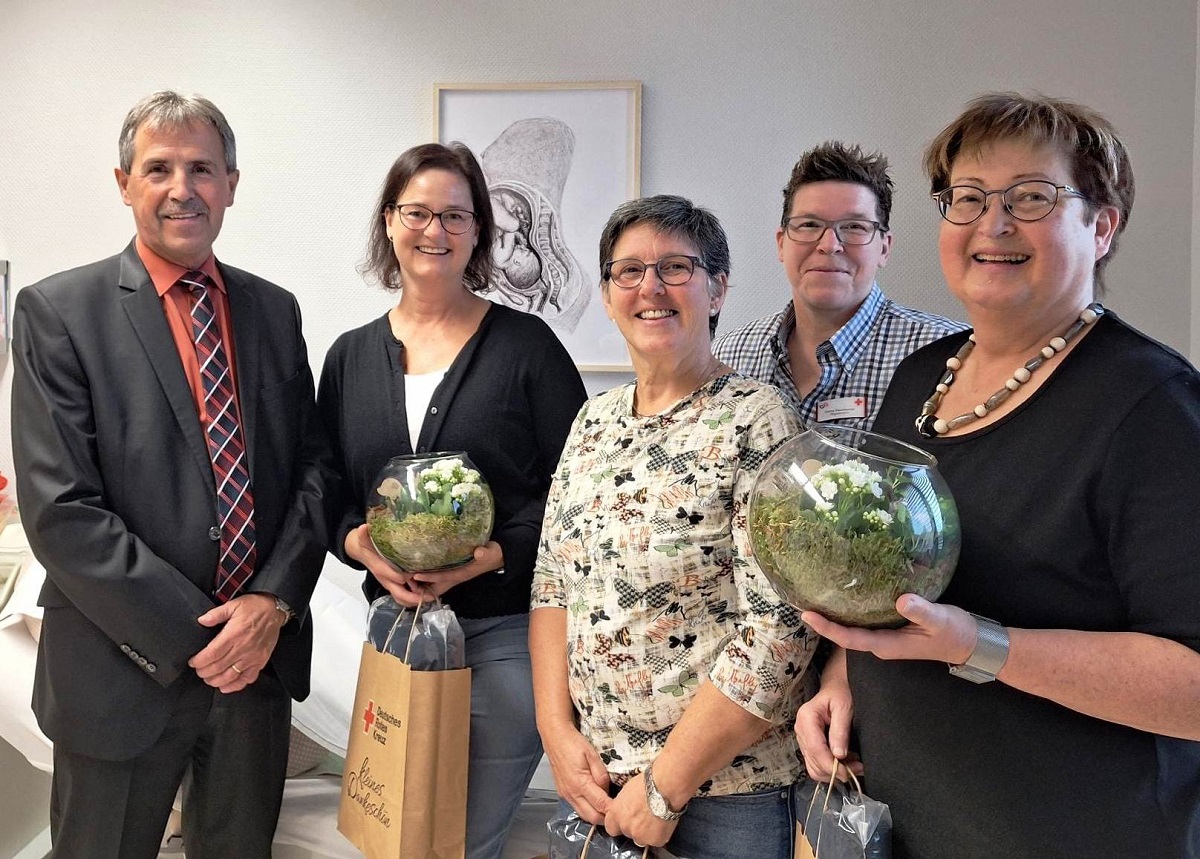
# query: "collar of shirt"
[[164, 274], [849, 342]]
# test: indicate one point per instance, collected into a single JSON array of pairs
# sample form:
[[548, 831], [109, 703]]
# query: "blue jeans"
[[505, 747], [738, 826]]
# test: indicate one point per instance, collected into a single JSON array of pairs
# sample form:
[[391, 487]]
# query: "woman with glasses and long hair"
[[665, 667], [445, 369], [1069, 719]]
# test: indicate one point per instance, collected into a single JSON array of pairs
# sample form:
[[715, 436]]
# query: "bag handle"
[[412, 633], [588, 841], [825, 805]]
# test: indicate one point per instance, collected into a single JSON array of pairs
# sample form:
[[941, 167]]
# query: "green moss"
[[853, 578], [428, 541]]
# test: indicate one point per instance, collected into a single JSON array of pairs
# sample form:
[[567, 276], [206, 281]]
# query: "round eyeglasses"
[[849, 231], [417, 217], [672, 270], [1025, 201]]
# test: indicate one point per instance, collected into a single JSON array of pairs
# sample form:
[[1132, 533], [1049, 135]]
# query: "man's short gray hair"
[[169, 109]]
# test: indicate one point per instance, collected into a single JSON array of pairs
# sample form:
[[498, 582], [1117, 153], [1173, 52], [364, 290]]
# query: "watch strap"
[[989, 655], [656, 802]]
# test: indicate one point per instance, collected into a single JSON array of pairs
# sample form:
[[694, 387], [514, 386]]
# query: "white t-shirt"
[[418, 391]]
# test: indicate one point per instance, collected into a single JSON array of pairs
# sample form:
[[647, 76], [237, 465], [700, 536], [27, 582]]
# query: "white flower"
[[390, 487], [879, 518], [828, 490], [462, 490], [447, 466], [432, 486]]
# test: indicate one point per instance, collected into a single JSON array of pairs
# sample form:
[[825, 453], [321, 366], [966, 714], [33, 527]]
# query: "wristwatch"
[[989, 655], [657, 802], [288, 614]]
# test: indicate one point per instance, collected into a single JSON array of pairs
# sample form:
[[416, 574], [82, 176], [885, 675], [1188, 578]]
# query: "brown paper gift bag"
[[404, 789]]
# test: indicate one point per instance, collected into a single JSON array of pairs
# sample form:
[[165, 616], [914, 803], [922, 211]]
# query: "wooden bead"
[[929, 425]]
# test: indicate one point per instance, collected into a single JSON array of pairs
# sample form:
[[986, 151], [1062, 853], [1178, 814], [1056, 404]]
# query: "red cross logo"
[[368, 717], [859, 401]]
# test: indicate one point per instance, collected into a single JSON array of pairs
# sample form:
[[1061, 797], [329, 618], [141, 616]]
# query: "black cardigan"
[[507, 400]]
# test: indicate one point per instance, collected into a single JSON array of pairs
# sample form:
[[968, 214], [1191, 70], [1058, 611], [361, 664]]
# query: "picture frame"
[[559, 158], [5, 308]]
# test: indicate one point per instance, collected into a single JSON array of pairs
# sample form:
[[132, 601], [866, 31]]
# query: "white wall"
[[323, 94]]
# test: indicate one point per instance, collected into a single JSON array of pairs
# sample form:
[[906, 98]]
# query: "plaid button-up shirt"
[[857, 361]]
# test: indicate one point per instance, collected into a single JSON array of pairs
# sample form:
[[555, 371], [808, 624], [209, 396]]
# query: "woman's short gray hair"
[[678, 216]]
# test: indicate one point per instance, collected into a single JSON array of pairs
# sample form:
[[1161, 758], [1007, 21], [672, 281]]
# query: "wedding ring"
[[235, 668]]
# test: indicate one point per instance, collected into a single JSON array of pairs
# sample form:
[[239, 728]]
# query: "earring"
[[712, 311]]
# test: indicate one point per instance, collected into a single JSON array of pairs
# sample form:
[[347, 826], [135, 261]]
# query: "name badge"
[[842, 408]]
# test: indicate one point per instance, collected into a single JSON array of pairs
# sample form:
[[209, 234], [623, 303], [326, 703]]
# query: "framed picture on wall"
[[5, 309], [559, 158]]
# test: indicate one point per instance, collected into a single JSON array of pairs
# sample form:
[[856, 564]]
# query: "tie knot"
[[195, 282]]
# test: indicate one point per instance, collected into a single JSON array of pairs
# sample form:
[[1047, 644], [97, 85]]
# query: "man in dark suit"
[[171, 475]]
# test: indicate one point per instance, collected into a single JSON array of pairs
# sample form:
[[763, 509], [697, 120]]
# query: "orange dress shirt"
[[177, 305]]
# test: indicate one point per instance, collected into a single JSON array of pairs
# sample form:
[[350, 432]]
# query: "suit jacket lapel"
[[144, 308], [243, 312]]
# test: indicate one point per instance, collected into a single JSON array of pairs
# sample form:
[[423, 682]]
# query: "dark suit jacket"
[[116, 492]]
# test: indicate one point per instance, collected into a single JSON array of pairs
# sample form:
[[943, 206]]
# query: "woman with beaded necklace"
[[1078, 482]]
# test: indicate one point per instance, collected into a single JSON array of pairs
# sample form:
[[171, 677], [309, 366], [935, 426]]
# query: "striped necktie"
[[235, 501]]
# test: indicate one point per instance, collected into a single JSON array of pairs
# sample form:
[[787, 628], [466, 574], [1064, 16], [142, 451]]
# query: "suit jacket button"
[[151, 667], [125, 648], [142, 660], [133, 654], [214, 533]]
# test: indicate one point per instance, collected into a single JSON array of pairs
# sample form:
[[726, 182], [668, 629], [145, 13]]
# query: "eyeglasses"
[[417, 217], [673, 270], [1025, 201], [850, 231]]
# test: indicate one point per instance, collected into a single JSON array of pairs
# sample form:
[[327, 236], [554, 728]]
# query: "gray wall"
[[323, 94]]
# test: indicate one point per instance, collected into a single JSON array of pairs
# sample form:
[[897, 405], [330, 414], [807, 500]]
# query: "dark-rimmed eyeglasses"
[[849, 231], [1025, 201], [417, 217], [672, 270]]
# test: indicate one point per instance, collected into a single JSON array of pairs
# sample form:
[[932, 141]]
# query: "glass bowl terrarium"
[[429, 511], [843, 521]]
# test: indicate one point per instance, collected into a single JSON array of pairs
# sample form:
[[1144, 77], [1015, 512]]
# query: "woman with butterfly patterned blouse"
[[665, 666]]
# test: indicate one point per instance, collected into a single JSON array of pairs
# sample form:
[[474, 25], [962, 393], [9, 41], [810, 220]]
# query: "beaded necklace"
[[931, 426]]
